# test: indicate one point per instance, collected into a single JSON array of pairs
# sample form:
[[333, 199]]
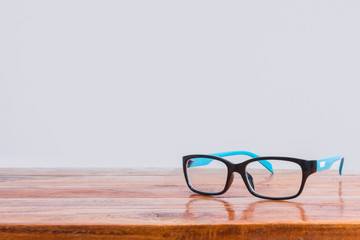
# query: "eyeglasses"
[[276, 178]]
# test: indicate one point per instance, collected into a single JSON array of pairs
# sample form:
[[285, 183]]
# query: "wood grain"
[[156, 204]]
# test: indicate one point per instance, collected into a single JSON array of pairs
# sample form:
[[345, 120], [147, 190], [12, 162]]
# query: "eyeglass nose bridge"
[[241, 169]]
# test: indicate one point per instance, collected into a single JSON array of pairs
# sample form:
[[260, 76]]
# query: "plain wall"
[[142, 83]]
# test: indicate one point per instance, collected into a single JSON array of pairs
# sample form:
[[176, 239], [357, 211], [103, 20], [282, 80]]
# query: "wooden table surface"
[[157, 204]]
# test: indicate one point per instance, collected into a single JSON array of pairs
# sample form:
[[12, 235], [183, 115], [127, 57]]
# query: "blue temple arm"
[[326, 163], [206, 161]]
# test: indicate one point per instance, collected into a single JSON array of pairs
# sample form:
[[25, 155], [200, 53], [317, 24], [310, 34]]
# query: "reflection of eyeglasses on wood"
[[199, 207], [276, 178]]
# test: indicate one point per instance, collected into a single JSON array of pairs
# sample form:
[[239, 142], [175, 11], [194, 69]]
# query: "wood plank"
[[156, 204]]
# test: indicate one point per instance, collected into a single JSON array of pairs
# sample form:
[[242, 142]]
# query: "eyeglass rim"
[[308, 167], [228, 177]]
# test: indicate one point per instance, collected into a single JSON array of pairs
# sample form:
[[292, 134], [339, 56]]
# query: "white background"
[[142, 83]]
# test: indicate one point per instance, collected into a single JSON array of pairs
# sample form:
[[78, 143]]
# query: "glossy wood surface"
[[157, 204]]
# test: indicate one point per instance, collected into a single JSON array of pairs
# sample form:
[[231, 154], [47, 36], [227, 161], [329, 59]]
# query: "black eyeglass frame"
[[308, 167]]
